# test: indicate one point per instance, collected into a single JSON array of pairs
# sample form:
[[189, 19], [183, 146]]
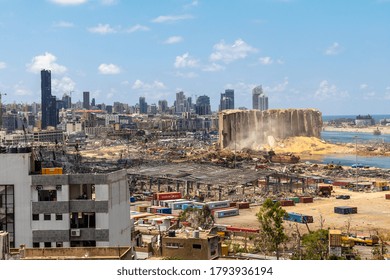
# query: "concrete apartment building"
[[62, 210]]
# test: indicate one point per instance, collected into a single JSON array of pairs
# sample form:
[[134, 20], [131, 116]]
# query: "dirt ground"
[[373, 213]]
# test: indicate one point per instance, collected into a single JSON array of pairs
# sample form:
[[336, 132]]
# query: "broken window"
[[196, 246]]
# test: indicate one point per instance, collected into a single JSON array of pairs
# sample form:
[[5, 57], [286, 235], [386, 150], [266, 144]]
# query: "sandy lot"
[[373, 213]]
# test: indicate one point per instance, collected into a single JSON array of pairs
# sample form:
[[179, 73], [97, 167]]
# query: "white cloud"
[[21, 90], [194, 3], [63, 85], [241, 88], [281, 87], [2, 65], [102, 29], [156, 85], [266, 60], [108, 69], [111, 93], [229, 53], [45, 61], [214, 67], [163, 19], [334, 49], [138, 27], [185, 61], [173, 40], [69, 2], [363, 86], [328, 91], [63, 24]]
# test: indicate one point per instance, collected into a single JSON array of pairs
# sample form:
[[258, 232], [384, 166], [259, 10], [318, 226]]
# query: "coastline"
[[369, 129]]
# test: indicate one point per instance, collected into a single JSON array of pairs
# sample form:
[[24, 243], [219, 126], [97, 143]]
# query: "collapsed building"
[[240, 129]]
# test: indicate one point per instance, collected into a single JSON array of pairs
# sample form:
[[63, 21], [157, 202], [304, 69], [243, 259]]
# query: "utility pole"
[[1, 110], [356, 161]]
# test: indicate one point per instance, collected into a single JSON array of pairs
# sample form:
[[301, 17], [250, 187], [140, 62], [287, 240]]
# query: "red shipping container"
[[242, 205], [306, 199], [233, 204], [167, 196], [287, 203], [387, 196]]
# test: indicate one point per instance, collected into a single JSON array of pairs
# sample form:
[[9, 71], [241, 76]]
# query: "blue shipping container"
[[132, 199]]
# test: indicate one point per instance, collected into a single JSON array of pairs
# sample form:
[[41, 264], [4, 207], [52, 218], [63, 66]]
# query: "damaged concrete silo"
[[253, 128]]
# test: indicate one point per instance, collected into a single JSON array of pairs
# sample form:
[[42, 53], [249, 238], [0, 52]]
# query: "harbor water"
[[337, 137]]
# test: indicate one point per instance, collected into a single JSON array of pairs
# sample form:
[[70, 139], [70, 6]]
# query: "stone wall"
[[252, 128]]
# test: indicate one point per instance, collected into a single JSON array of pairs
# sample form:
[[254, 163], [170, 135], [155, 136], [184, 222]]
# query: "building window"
[[35, 217], [35, 244], [47, 195], [47, 244], [172, 245], [196, 246], [47, 217], [59, 244], [58, 217]]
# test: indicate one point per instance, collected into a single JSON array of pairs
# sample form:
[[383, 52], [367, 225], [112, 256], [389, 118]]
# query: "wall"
[[252, 128], [119, 212], [14, 170]]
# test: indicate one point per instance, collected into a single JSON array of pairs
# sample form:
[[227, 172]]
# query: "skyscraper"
[[259, 99], [203, 105], [49, 104], [227, 100], [263, 102], [86, 103], [143, 106]]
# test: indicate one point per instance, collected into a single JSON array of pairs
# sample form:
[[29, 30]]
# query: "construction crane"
[[1, 110]]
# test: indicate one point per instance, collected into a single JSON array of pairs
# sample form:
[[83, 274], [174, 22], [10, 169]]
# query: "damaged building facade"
[[253, 128], [62, 210]]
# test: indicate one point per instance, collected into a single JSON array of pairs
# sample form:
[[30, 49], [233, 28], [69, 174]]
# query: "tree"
[[270, 217], [315, 245]]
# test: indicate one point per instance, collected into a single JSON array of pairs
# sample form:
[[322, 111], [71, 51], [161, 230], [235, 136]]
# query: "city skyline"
[[329, 55]]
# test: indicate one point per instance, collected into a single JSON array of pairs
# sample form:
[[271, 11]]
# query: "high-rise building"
[[143, 106], [86, 103], [263, 102], [227, 100], [259, 99], [93, 102], [180, 102], [48, 101], [162, 106], [255, 96], [203, 105], [67, 101]]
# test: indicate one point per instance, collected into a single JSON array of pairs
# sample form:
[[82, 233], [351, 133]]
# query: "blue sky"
[[330, 55]]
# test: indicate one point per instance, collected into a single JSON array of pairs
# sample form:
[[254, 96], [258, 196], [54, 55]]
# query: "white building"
[[62, 210]]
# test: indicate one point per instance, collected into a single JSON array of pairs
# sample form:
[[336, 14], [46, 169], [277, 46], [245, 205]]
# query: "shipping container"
[[299, 218], [335, 238], [142, 208], [345, 210], [305, 199], [166, 195], [132, 199], [241, 205], [178, 204], [341, 183], [218, 204], [164, 210], [387, 196], [287, 203], [240, 229], [295, 199], [228, 212], [165, 203]]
